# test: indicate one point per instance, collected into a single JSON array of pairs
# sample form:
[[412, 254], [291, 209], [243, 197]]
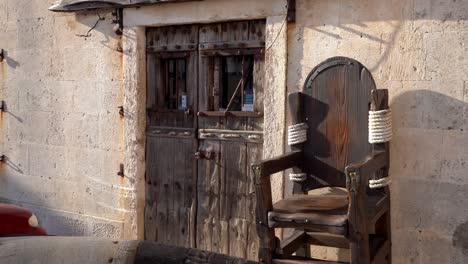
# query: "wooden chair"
[[335, 104]]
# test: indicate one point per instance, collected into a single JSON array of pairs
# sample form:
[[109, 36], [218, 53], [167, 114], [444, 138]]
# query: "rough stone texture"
[[135, 124], [67, 250], [62, 134], [417, 49], [275, 95]]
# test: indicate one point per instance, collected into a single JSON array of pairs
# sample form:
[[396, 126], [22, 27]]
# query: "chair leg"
[[359, 250], [389, 236]]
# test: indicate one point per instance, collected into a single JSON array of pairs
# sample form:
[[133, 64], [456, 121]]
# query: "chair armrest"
[[267, 167], [363, 170]]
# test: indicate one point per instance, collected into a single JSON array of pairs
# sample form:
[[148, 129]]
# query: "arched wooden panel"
[[337, 95]]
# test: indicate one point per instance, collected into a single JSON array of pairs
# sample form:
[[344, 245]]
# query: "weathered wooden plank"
[[230, 113], [233, 44], [235, 194], [254, 152], [150, 192], [208, 228], [291, 244]]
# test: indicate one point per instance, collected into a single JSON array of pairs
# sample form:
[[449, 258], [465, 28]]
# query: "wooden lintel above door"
[[78, 5]]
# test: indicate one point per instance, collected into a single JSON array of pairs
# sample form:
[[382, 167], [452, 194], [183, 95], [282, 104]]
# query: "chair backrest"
[[334, 103]]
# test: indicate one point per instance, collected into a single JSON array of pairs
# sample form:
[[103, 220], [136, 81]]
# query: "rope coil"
[[374, 184], [380, 126], [297, 134], [298, 177]]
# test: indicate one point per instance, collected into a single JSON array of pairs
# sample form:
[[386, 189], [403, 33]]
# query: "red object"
[[17, 221]]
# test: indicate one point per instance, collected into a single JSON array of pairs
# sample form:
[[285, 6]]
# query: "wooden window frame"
[[160, 57], [212, 51]]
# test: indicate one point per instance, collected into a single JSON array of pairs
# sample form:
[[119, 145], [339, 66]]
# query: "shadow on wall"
[[428, 168], [377, 33]]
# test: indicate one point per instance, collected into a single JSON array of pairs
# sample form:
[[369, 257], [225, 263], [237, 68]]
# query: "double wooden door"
[[204, 128]]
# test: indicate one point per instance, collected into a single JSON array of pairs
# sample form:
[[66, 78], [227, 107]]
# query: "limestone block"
[[45, 95], [110, 65], [313, 13], [454, 157], [428, 205], [16, 157], [84, 162], [60, 223], [73, 63], [31, 64], [72, 29], [465, 107], [36, 127], [428, 104], [432, 242], [48, 161], [8, 37], [26, 9], [307, 48], [406, 248], [106, 229], [403, 55], [68, 195], [3, 14], [275, 95], [416, 154], [135, 123], [111, 130], [107, 201], [440, 15], [82, 102], [35, 33], [20, 188], [81, 130], [362, 45], [374, 17], [111, 94], [446, 55]]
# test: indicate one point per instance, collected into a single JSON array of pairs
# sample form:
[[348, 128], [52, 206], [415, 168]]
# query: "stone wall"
[[61, 133], [418, 50]]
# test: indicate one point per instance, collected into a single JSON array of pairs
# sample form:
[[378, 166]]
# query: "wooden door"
[[199, 188], [171, 135], [231, 135]]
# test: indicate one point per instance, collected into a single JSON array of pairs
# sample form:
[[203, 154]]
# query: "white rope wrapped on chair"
[[374, 184], [380, 126], [297, 134], [298, 177]]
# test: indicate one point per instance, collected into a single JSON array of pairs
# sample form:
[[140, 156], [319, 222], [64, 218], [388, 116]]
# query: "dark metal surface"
[[78, 5]]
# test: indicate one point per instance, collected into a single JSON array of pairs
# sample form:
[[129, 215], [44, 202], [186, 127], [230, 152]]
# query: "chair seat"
[[318, 210]]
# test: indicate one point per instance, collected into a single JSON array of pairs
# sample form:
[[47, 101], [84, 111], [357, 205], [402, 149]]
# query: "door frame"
[[134, 85]]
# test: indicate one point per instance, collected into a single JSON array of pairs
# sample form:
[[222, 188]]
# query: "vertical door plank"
[[254, 153], [208, 229]]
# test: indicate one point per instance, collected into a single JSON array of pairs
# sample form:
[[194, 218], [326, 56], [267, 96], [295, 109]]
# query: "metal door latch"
[[208, 155]]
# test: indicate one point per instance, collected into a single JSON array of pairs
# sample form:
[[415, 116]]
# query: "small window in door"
[[236, 83], [174, 83]]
